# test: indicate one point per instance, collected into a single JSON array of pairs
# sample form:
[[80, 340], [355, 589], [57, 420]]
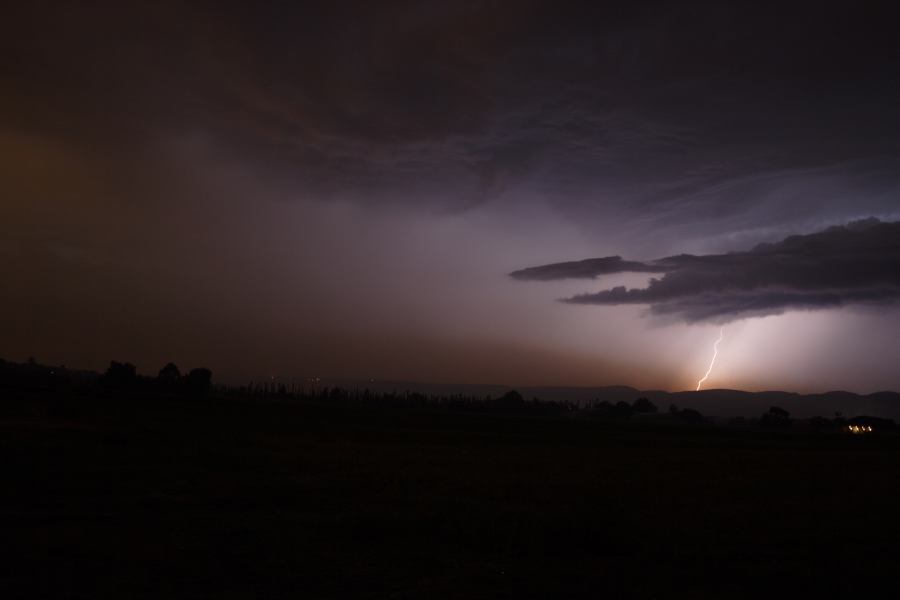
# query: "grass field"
[[165, 498]]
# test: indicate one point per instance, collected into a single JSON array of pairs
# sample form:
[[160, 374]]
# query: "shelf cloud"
[[852, 264]]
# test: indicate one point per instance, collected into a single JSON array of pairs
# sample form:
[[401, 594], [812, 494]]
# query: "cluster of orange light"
[[859, 428]]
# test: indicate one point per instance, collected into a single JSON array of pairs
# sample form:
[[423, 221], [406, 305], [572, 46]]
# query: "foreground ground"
[[166, 498]]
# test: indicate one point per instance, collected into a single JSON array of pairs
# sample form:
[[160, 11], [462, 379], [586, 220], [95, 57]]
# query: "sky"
[[369, 190]]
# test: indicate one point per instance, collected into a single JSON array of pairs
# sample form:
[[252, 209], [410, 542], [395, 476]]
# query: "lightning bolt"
[[713, 361]]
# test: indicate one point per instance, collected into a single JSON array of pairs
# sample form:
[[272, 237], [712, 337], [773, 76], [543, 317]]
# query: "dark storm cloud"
[[646, 111], [589, 268], [853, 264]]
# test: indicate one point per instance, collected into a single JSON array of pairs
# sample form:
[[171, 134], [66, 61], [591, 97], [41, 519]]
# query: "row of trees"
[[123, 375], [621, 409], [511, 402], [641, 406]]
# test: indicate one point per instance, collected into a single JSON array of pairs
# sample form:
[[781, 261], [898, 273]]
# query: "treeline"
[[169, 379], [122, 379], [119, 376], [512, 402]]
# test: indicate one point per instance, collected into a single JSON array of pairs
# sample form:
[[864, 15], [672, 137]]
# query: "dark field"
[[145, 497]]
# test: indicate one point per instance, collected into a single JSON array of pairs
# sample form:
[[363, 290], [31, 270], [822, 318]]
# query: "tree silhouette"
[[643, 405], [120, 374], [169, 374], [511, 399], [690, 415], [779, 413], [776, 417], [622, 409], [199, 380]]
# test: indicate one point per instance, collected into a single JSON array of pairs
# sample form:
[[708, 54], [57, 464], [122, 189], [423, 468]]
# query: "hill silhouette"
[[725, 403]]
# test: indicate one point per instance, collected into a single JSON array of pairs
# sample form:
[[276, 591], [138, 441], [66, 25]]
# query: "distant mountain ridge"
[[714, 402]]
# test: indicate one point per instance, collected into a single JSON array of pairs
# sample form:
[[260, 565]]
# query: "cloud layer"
[[615, 114], [852, 264], [588, 268]]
